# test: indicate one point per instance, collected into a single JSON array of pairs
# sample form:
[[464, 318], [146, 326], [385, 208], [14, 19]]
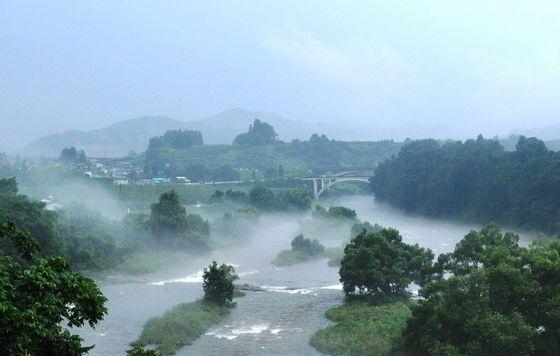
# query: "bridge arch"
[[327, 183]]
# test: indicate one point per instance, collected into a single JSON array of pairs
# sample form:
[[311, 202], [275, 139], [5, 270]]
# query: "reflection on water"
[[279, 320]]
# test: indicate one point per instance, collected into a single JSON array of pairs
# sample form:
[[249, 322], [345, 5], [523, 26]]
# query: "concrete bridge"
[[321, 184]]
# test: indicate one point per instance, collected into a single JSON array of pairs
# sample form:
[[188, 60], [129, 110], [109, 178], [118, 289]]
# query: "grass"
[[335, 255], [181, 325], [362, 329], [291, 257]]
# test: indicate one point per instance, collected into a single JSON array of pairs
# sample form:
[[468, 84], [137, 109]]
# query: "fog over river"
[[278, 321]]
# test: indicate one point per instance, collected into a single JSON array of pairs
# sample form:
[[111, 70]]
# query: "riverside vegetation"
[[488, 297], [186, 322]]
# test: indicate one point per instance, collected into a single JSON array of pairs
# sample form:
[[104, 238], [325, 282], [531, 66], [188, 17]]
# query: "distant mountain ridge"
[[119, 139]]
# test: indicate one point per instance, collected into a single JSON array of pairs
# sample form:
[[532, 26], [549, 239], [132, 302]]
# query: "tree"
[[260, 133], [308, 246], [176, 139], [381, 264], [262, 198], [359, 227], [474, 180], [72, 155], [218, 283], [168, 216], [38, 295], [341, 212], [492, 297], [8, 186]]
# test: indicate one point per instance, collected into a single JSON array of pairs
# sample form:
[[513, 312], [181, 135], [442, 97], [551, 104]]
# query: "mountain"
[[111, 141], [133, 135]]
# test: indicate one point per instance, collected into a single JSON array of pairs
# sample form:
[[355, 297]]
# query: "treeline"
[[475, 180], [264, 199], [256, 154]]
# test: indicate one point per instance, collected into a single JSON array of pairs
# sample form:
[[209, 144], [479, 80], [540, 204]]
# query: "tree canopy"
[[381, 264], [171, 225], [218, 283], [38, 295], [308, 246], [492, 297], [260, 133], [475, 180], [176, 139], [72, 155]]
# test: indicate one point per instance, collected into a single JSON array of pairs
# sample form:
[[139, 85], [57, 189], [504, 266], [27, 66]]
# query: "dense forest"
[[256, 154], [476, 180]]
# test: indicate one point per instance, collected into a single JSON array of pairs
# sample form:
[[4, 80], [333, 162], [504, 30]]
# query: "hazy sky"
[[452, 68]]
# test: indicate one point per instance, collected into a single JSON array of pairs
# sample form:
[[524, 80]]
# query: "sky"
[[437, 68]]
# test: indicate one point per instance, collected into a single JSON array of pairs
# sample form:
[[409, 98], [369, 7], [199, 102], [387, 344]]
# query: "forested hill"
[[232, 162], [476, 180]]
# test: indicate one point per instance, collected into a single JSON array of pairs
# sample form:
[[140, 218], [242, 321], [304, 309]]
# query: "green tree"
[[168, 216], [492, 297], [38, 295], [308, 246], [381, 264], [218, 283], [8, 187], [262, 198], [176, 139], [361, 226], [260, 133]]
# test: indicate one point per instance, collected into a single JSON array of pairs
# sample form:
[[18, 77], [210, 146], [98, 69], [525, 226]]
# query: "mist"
[[395, 70], [280, 177]]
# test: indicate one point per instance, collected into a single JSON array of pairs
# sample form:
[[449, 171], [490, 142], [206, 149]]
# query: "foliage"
[[302, 250], [335, 256], [218, 283], [176, 139], [38, 295], [364, 226], [290, 257], [72, 155], [381, 264], [335, 212], [308, 246], [238, 224], [296, 158], [180, 325], [492, 298], [293, 200], [8, 186], [139, 350], [260, 133], [474, 180], [362, 329], [171, 225], [94, 242]]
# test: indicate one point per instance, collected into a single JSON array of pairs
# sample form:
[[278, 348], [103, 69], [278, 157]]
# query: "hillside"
[[119, 139], [112, 141], [296, 158]]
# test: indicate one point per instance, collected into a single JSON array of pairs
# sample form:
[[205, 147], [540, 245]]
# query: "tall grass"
[[362, 329], [181, 325]]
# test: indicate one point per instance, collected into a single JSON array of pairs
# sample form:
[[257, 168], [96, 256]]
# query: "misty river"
[[280, 320]]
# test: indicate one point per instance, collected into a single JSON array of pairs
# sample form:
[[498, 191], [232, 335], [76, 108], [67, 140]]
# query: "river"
[[280, 320]]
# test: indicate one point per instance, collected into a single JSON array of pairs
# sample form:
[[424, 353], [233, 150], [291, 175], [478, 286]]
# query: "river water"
[[280, 320]]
